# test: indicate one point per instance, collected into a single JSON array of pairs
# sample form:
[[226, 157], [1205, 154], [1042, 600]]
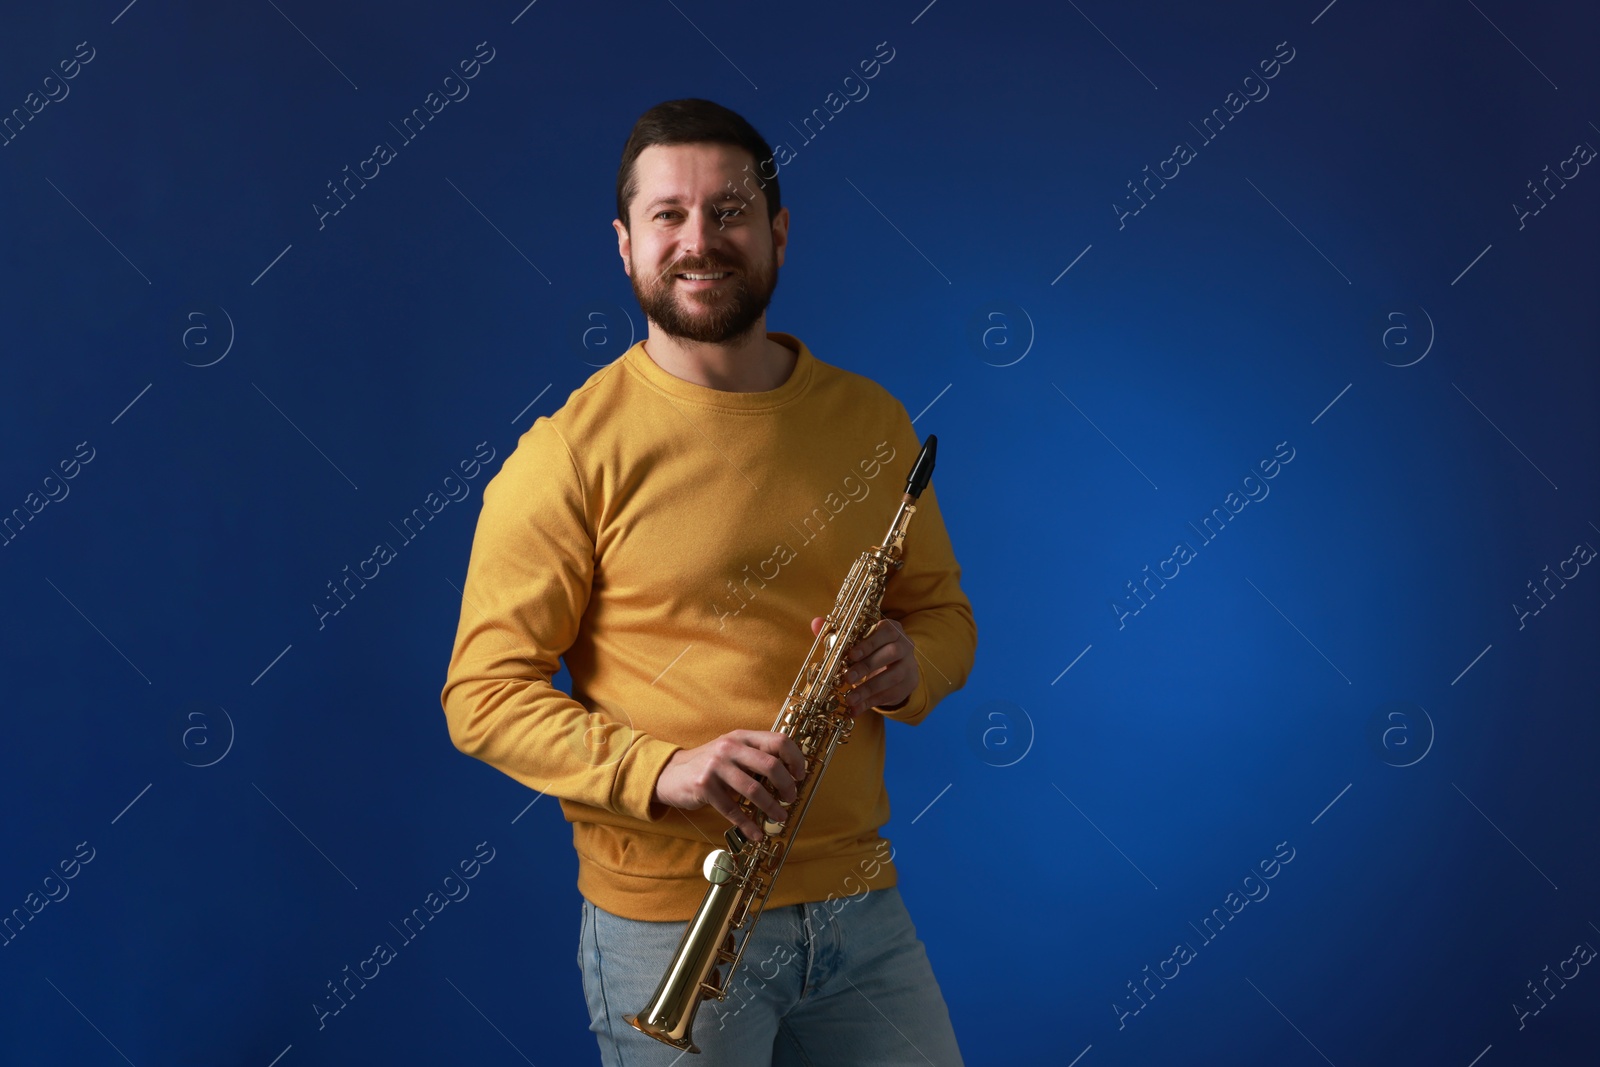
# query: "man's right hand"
[[722, 771]]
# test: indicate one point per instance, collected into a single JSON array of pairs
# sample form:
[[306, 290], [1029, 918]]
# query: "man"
[[669, 532]]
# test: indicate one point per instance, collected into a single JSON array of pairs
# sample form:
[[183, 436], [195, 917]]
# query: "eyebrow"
[[678, 202]]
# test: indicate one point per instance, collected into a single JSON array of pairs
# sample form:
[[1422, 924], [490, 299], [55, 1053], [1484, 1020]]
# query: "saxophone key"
[[719, 867]]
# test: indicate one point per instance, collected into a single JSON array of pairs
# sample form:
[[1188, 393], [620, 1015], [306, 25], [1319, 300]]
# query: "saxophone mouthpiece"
[[922, 470]]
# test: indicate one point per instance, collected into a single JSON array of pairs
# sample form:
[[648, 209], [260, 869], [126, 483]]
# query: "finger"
[[735, 774], [879, 689], [793, 758], [889, 631], [771, 768], [859, 699], [748, 787], [889, 653], [860, 649], [856, 706], [863, 672], [870, 641], [729, 808], [780, 745]]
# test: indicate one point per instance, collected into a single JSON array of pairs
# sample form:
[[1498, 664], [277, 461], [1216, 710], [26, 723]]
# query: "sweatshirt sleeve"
[[925, 597], [526, 590]]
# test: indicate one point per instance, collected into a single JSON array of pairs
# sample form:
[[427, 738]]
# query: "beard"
[[708, 316]]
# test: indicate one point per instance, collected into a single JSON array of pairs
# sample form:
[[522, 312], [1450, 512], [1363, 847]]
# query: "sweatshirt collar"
[[639, 362]]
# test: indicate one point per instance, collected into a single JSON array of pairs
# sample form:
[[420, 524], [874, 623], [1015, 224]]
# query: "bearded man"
[[708, 460]]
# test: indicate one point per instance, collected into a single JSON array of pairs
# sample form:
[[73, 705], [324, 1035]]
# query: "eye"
[[732, 211]]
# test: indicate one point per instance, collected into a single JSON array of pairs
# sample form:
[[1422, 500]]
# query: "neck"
[[753, 363]]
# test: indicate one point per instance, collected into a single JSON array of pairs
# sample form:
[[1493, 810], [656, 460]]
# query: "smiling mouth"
[[704, 276]]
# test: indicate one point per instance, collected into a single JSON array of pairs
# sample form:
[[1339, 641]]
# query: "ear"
[[625, 245], [780, 233]]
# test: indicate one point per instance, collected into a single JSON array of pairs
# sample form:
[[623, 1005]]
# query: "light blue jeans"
[[830, 984]]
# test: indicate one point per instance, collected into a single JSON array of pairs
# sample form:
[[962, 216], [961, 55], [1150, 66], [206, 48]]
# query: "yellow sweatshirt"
[[672, 543]]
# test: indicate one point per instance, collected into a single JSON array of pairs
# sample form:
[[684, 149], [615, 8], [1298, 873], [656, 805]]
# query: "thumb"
[[816, 625]]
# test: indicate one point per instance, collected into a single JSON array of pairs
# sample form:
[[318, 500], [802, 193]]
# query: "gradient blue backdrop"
[[1342, 671]]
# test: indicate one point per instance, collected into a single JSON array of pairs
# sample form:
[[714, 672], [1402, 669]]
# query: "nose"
[[700, 232]]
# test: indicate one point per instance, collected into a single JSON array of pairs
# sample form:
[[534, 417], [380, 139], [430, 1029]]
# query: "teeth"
[[703, 277]]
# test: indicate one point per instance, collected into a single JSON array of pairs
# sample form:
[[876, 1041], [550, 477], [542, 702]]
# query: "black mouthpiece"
[[923, 469]]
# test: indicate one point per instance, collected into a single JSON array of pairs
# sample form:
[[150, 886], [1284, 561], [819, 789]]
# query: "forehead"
[[690, 171]]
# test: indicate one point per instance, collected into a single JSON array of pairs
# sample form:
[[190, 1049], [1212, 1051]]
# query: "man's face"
[[688, 219]]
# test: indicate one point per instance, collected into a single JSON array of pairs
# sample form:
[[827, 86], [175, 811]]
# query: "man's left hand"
[[882, 667]]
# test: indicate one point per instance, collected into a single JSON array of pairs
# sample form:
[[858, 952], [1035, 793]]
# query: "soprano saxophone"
[[815, 719]]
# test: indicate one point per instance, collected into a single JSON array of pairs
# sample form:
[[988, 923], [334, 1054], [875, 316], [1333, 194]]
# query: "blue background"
[[1342, 268]]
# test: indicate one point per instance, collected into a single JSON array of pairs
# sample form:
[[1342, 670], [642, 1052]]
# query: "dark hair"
[[693, 121]]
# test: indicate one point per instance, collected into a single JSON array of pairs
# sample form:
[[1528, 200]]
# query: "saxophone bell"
[[707, 942]]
